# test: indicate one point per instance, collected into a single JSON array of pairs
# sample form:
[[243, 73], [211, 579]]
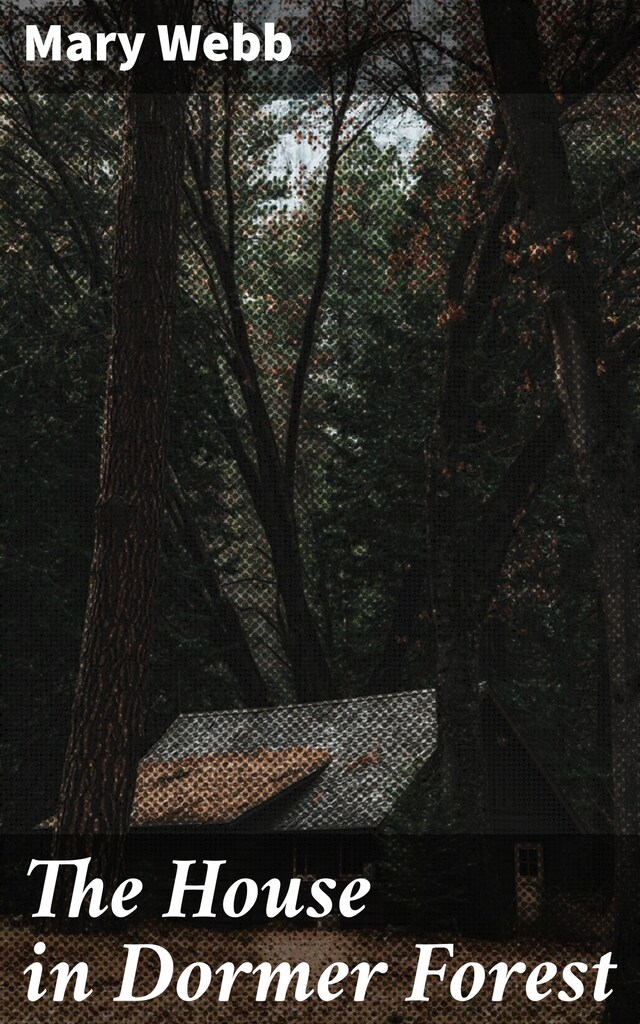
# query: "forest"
[[369, 326]]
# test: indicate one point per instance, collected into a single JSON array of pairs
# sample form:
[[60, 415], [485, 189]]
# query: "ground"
[[385, 1002]]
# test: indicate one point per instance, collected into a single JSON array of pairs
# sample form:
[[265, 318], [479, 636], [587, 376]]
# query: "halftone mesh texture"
[[372, 521]]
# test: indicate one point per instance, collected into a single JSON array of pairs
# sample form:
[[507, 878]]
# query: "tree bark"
[[271, 480], [104, 745], [602, 446], [230, 635], [454, 550], [312, 676], [405, 629], [274, 503]]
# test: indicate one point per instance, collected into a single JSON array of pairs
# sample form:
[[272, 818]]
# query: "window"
[[528, 862]]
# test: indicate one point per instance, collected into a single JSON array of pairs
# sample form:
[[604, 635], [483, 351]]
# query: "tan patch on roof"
[[217, 789]]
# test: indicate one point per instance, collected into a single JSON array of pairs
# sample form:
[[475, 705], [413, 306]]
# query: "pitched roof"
[[219, 789], [377, 745], [577, 800]]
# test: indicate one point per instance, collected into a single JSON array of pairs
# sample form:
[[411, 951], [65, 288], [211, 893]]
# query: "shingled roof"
[[372, 747], [218, 789]]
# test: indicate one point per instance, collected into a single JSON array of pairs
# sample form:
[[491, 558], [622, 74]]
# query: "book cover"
[[320, 511]]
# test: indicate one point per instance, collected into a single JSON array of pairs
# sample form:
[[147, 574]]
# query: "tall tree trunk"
[[273, 498], [455, 551], [404, 630], [601, 444], [231, 638], [312, 675], [104, 745], [271, 479]]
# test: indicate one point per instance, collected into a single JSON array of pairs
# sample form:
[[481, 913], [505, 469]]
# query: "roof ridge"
[[367, 697]]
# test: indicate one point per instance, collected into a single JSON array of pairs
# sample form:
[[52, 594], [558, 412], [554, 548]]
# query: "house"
[[319, 788]]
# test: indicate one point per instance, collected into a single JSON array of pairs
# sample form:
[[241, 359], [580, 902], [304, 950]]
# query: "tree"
[[231, 637], [337, 43], [100, 766], [600, 433]]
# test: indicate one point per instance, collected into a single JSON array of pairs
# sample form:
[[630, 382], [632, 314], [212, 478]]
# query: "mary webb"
[[149, 970], [178, 43]]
